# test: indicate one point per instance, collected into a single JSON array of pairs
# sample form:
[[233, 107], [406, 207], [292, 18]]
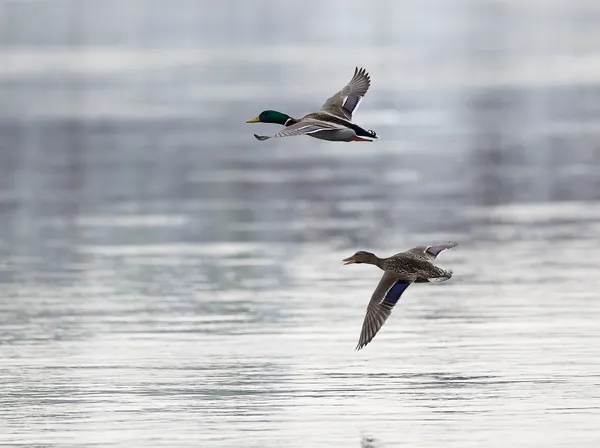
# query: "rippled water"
[[167, 280]]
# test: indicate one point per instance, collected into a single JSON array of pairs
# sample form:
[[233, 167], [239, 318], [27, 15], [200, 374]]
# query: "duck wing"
[[303, 128], [431, 252], [385, 297], [345, 102]]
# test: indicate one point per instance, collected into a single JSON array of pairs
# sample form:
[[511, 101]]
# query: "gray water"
[[167, 280]]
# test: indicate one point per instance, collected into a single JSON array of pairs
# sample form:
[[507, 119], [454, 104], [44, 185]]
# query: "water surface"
[[167, 280]]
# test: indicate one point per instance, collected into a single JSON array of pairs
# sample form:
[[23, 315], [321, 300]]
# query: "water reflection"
[[368, 442]]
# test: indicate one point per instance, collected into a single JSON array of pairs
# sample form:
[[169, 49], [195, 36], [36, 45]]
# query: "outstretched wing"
[[345, 102], [386, 295], [301, 128], [431, 252]]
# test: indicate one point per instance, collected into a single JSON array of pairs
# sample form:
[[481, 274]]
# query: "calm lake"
[[169, 281]]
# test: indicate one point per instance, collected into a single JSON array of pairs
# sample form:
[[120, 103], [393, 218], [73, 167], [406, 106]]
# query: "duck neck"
[[375, 260], [383, 263], [290, 121]]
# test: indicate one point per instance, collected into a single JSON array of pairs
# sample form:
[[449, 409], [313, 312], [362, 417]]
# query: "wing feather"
[[386, 295], [344, 103], [302, 128], [432, 252]]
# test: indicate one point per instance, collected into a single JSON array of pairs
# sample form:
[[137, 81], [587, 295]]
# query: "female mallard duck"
[[332, 121], [399, 272]]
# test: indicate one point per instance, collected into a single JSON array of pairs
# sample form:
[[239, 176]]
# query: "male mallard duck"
[[399, 272], [332, 121]]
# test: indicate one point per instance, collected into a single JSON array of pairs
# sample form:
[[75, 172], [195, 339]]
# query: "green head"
[[270, 116]]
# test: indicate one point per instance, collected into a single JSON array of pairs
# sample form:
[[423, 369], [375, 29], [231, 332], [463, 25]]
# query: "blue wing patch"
[[434, 251], [351, 102], [393, 295]]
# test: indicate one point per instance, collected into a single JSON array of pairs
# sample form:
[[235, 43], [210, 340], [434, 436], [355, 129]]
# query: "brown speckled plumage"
[[400, 271]]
